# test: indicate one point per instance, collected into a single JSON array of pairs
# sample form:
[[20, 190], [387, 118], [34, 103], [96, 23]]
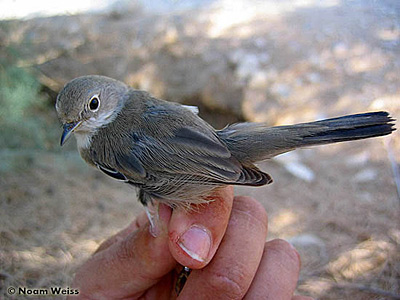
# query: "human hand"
[[223, 242]]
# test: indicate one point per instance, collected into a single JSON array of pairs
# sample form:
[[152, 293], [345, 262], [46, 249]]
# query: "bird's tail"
[[252, 142]]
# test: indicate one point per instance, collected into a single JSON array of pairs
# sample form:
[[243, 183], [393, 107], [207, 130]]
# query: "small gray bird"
[[171, 154]]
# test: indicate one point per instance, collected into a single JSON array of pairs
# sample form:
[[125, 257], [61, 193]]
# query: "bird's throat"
[[91, 126], [83, 139]]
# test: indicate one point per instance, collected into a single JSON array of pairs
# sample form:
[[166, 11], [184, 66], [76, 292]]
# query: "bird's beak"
[[68, 130]]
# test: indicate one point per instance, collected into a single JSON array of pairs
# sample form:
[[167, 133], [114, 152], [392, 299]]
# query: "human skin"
[[223, 243]]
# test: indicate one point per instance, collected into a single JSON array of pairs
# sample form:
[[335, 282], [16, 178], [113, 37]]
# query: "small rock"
[[300, 170], [308, 240], [247, 64], [314, 77], [311, 248], [259, 80], [388, 102], [281, 89], [359, 159], [366, 175], [291, 162], [340, 49]]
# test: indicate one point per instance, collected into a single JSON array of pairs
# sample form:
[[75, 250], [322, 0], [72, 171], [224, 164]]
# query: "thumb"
[[128, 266]]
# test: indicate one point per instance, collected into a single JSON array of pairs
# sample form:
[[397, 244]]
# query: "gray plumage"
[[171, 154]]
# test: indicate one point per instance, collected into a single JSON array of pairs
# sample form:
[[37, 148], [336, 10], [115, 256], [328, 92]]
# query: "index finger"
[[128, 265], [196, 234]]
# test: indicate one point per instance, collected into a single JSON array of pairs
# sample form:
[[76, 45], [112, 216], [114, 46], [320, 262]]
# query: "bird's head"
[[87, 103]]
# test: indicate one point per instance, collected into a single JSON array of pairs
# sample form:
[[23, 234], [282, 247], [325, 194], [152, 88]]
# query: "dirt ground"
[[337, 204]]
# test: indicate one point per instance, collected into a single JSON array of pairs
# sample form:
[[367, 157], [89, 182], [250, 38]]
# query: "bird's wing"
[[112, 173], [192, 153], [187, 153]]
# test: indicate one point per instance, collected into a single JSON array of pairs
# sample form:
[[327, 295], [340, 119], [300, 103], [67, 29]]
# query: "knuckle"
[[231, 284], [252, 209]]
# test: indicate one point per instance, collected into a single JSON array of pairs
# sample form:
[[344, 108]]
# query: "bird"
[[167, 151]]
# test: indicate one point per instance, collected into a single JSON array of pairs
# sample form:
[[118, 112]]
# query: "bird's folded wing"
[[187, 152]]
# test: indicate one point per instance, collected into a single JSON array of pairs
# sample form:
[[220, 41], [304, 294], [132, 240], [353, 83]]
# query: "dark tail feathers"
[[251, 142]]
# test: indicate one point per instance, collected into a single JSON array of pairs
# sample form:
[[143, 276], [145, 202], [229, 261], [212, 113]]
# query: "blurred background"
[[278, 62]]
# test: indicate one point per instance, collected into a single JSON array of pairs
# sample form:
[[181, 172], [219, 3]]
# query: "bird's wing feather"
[[188, 153], [112, 173], [192, 108]]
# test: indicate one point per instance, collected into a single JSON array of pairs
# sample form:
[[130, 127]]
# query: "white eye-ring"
[[94, 103]]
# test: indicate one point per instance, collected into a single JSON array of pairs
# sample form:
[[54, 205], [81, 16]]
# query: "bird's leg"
[[152, 215], [181, 280], [151, 207]]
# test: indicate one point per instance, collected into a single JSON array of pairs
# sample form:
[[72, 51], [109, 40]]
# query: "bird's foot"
[[153, 216]]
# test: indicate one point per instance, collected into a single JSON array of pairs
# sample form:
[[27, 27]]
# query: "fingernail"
[[196, 242]]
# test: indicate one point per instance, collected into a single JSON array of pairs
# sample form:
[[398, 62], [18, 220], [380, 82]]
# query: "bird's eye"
[[94, 103]]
